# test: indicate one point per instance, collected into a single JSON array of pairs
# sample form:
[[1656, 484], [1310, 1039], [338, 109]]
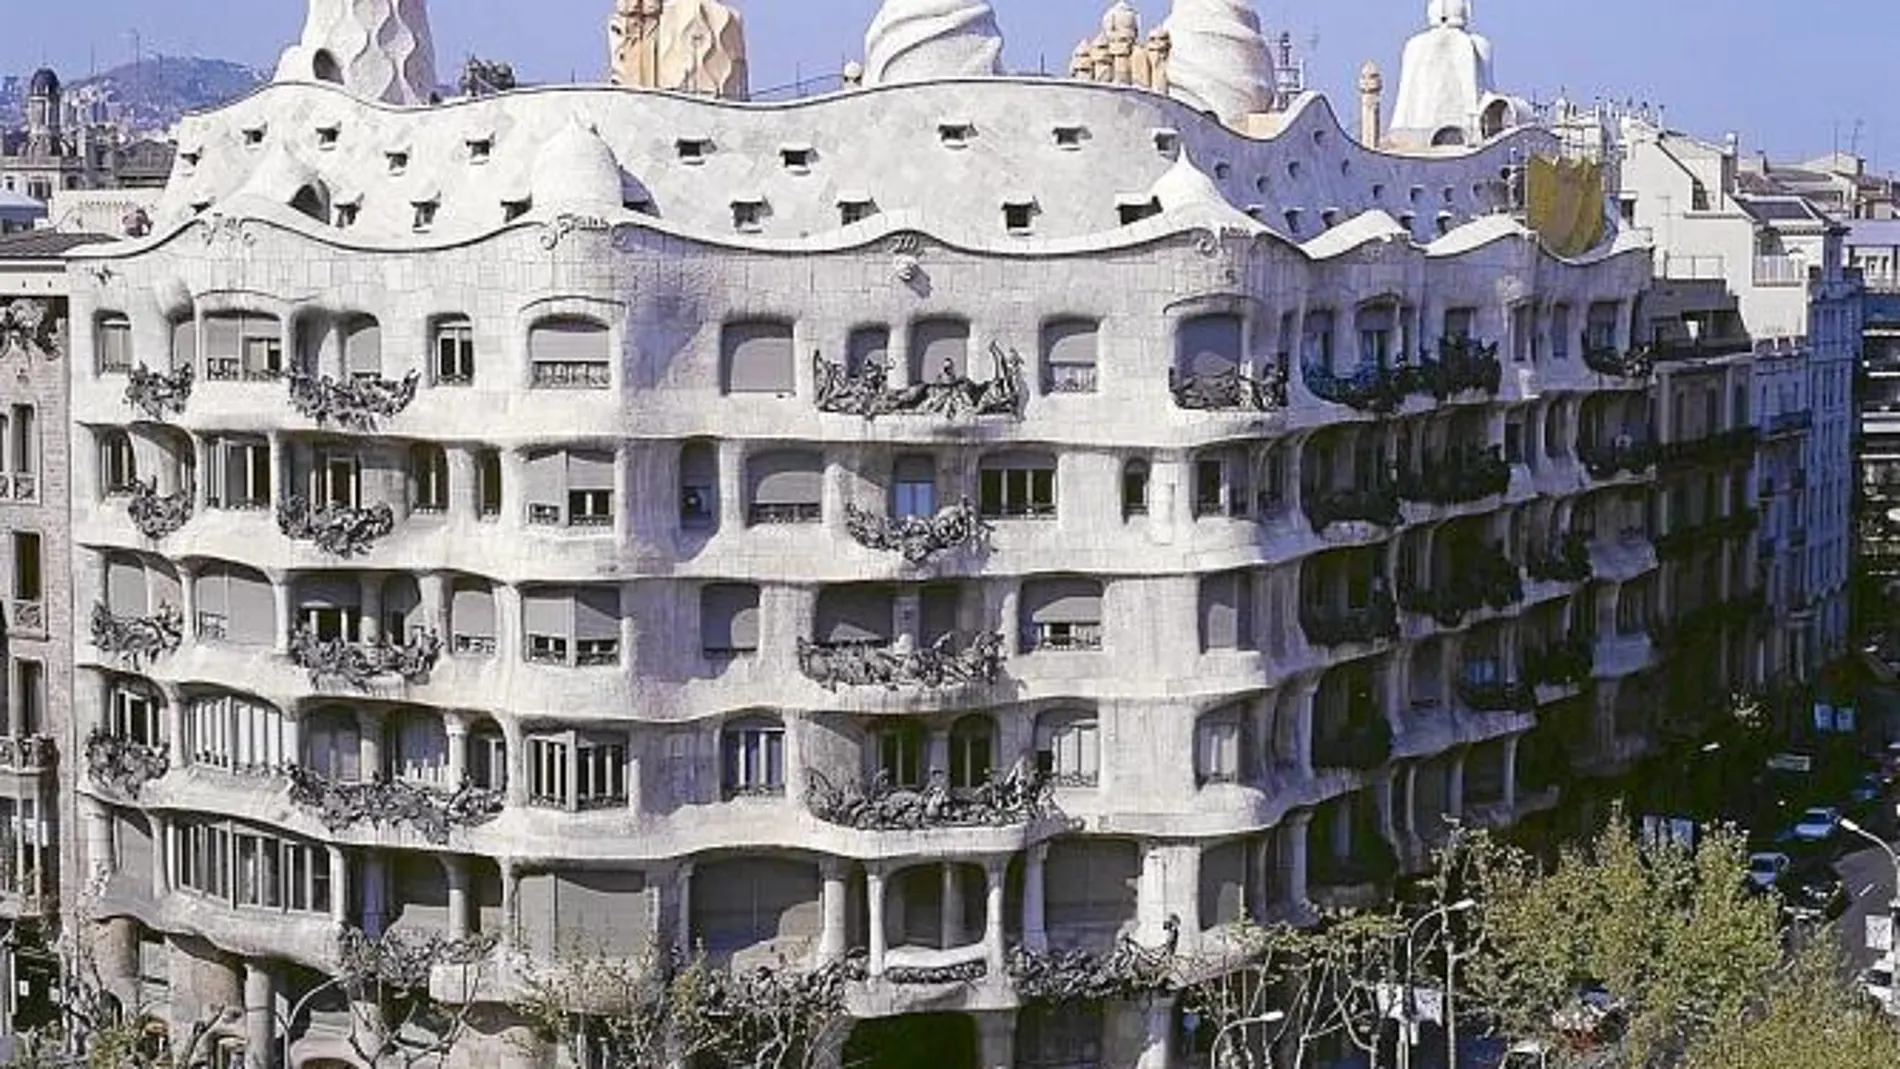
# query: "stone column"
[[292, 735], [1455, 785], [465, 479], [937, 751], [1382, 791], [1293, 831], [260, 1022], [1509, 776], [433, 588], [175, 728], [371, 625], [455, 727], [996, 1039], [833, 936], [1158, 1034], [510, 902], [455, 874], [161, 854], [1305, 703], [732, 496], [517, 759], [1411, 802], [286, 614], [950, 907], [116, 948], [683, 905], [1035, 930], [994, 873], [874, 905], [339, 886], [369, 727]]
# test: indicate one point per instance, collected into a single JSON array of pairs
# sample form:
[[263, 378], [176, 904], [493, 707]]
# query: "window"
[[1019, 215], [570, 354], [573, 770], [337, 479], [914, 487], [235, 605], [1069, 135], [748, 216], [1217, 748], [136, 717], [1560, 331], [330, 607], [1068, 355], [1017, 486], [972, 752], [243, 347], [184, 343], [236, 734], [860, 614], [699, 485], [571, 489], [454, 352], [955, 133], [23, 442], [578, 627], [729, 620], [900, 754], [785, 487], [332, 746], [251, 870], [693, 149], [118, 466], [855, 208], [428, 479], [488, 757], [115, 343], [1514, 440], [424, 217], [1221, 484], [488, 484], [797, 158], [1062, 614], [1376, 334], [1599, 329], [1133, 209], [753, 756], [472, 619], [419, 750], [28, 583], [939, 350], [238, 474], [1068, 749], [1227, 612], [1135, 488], [868, 352], [757, 357], [30, 677]]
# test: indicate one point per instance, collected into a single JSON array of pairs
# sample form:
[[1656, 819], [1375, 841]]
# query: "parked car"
[[1878, 982], [1868, 789], [1765, 868], [1812, 892], [1818, 825]]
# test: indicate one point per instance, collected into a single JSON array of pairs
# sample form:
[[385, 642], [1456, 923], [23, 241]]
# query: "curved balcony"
[[1462, 366], [138, 640], [1459, 477], [393, 803], [121, 768], [338, 530], [869, 394], [1377, 621], [1724, 447], [957, 528], [1672, 636], [1376, 505], [1362, 747], [1682, 541], [1481, 579], [1497, 696], [360, 665], [158, 516], [949, 662], [1232, 390], [1620, 458], [1021, 797], [1567, 562], [1635, 365], [1563, 665], [159, 394], [357, 404]]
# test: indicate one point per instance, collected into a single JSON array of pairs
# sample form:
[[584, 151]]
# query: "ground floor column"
[[994, 873], [834, 904], [260, 1025], [1035, 931], [874, 905]]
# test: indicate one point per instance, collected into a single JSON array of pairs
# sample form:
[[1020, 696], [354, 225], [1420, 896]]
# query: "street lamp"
[[1443, 915], [1893, 909], [1270, 1017]]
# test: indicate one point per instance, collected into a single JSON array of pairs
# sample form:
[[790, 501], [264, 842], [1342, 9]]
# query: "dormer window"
[[425, 214], [1293, 169], [748, 214], [854, 207], [190, 156], [1167, 142], [398, 160], [346, 215], [1019, 211], [1293, 220], [1415, 193], [1256, 212], [1069, 136], [327, 135], [640, 206], [797, 158], [1329, 217], [955, 133], [1378, 191], [1444, 222], [253, 136], [1134, 207], [515, 209], [480, 148], [693, 149], [199, 207]]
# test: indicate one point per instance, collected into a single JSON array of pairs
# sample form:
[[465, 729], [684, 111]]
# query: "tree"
[[395, 1018], [1802, 1016]]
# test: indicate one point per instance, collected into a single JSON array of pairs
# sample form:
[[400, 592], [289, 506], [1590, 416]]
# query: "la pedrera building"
[[949, 520]]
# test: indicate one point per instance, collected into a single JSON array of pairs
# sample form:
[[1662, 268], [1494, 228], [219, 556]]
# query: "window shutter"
[[1209, 345], [855, 614], [363, 348], [867, 346], [545, 481], [221, 336], [472, 611], [253, 610], [184, 343], [546, 612], [597, 612], [1226, 612], [758, 357], [1064, 601], [729, 617], [1070, 342], [940, 347], [125, 587], [568, 341], [213, 590], [590, 471], [940, 604], [329, 592], [787, 479]]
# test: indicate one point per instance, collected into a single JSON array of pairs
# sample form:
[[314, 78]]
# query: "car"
[[1812, 892], [1868, 789], [1878, 983], [1818, 824], [1765, 868]]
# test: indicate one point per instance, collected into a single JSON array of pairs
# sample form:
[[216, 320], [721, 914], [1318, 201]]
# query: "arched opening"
[[310, 201], [1495, 118], [325, 67], [946, 1040], [1448, 136]]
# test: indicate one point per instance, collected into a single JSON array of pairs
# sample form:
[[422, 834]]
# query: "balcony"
[[868, 393], [1358, 881], [1781, 271], [1461, 476], [393, 803], [1711, 619], [1682, 541], [157, 515], [1567, 562], [1364, 745], [138, 639], [27, 618], [159, 393], [1786, 423], [1229, 391], [356, 404], [949, 662], [1019, 798], [1723, 447], [1464, 365], [1636, 364], [1497, 696], [919, 539], [1625, 456], [1476, 578], [1377, 390], [1377, 621], [122, 767], [339, 530], [360, 665], [27, 755], [1563, 664], [1377, 505], [19, 486]]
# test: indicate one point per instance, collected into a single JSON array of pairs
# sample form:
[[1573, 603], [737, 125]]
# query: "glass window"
[[454, 352], [429, 479], [1068, 749], [115, 343], [118, 466], [972, 752], [570, 354], [754, 757], [1135, 488], [900, 755], [757, 357], [1021, 486], [914, 487]]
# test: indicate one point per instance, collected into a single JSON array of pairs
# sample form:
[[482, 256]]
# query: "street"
[[1868, 876]]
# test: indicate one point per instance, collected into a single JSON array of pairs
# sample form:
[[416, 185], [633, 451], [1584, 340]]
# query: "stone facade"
[[918, 522]]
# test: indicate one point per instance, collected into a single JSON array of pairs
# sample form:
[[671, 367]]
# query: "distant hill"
[[154, 92]]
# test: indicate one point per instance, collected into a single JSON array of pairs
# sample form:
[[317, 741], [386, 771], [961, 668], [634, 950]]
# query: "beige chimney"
[[1371, 88]]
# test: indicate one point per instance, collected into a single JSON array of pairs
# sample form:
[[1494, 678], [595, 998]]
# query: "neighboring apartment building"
[[1795, 305], [765, 511], [60, 152], [35, 621]]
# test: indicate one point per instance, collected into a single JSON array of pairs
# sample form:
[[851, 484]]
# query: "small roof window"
[[693, 148], [1167, 140], [797, 156], [955, 133], [1070, 135]]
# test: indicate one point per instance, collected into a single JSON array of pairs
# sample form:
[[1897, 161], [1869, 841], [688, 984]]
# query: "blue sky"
[[1793, 78]]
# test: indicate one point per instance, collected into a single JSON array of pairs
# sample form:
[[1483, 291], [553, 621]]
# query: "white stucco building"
[[564, 446]]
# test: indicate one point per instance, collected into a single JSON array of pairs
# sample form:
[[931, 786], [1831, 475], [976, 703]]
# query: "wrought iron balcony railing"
[[1479, 577], [360, 664], [1636, 364], [27, 753], [1376, 621], [158, 515], [949, 662], [1459, 477], [1564, 663], [868, 392], [159, 393], [1232, 390], [338, 530], [1683, 540], [356, 404], [1608, 461], [957, 528], [1377, 505], [122, 767], [1566, 562], [138, 639], [1020, 797], [393, 803], [1723, 447], [1362, 746]]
